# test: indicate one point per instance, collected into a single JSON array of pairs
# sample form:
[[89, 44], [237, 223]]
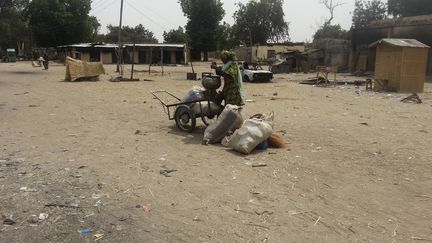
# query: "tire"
[[246, 78], [185, 119]]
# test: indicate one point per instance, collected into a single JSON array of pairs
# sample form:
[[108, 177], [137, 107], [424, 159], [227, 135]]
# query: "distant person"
[[246, 65], [45, 61], [232, 91]]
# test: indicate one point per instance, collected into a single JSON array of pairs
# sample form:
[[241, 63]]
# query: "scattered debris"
[[25, 189], [163, 157], [144, 207], [22, 93], [259, 164], [72, 205], [196, 219], [8, 221], [121, 79], [166, 173], [43, 216], [414, 98], [85, 231], [263, 212]]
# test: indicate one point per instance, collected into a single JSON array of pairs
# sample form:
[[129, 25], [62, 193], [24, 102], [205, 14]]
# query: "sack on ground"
[[229, 120], [253, 132]]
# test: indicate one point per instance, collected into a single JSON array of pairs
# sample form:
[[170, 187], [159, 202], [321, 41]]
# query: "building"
[[138, 53], [259, 53], [334, 53], [415, 27], [400, 64]]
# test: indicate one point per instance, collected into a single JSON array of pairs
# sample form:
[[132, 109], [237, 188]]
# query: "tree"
[[404, 8], [175, 36], [93, 29], [14, 31], [331, 6], [204, 17], [368, 11], [327, 30], [137, 34], [331, 32], [59, 22], [225, 37], [259, 22]]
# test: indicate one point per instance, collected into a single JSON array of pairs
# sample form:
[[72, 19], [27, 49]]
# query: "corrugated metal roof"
[[108, 45], [401, 43], [157, 45]]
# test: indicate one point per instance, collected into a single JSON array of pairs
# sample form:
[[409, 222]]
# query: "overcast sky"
[[158, 16]]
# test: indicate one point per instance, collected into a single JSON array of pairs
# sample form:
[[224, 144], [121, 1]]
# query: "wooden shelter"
[[400, 65]]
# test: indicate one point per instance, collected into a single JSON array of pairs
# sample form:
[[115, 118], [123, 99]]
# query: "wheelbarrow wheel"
[[185, 118]]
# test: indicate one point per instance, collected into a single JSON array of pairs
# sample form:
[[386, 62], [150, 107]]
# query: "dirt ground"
[[89, 154]]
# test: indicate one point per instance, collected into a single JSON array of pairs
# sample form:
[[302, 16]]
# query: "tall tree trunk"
[[205, 56]]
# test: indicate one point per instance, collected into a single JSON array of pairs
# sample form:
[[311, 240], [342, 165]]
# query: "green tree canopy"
[[138, 34], [368, 11], [204, 17], [332, 32], [14, 30], [403, 8], [225, 37], [59, 22], [175, 36], [259, 22]]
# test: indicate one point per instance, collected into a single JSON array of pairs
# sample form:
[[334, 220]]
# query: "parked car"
[[254, 73], [10, 55]]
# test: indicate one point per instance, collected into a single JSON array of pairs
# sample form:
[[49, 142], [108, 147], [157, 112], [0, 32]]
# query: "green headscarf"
[[228, 55]]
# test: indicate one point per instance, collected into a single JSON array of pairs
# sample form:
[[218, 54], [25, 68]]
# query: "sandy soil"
[[358, 167]]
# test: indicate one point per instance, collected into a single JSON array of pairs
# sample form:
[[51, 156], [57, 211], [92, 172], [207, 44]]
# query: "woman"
[[232, 91]]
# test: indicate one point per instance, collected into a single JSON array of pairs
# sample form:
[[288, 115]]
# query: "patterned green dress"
[[231, 91]]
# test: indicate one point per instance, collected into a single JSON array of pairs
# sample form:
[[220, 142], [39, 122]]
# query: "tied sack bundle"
[[229, 120], [204, 107], [253, 132]]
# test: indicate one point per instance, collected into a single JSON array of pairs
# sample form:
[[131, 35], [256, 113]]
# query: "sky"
[[304, 16]]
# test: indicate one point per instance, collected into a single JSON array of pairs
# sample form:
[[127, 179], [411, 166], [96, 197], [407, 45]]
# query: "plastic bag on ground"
[[229, 120], [253, 132]]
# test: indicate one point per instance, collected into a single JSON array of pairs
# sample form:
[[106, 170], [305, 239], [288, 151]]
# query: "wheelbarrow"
[[186, 114]]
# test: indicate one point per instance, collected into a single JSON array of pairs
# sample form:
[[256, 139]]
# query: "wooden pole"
[[151, 58], [133, 61], [120, 53], [162, 64]]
